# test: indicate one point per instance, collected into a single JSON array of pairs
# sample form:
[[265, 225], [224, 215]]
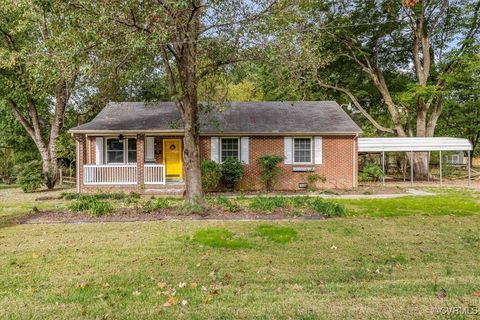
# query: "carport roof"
[[413, 144]]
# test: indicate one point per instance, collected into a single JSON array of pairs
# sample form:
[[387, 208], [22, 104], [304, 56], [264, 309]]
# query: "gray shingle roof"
[[238, 117]]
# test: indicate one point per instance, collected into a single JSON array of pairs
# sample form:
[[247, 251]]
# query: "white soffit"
[[413, 144]]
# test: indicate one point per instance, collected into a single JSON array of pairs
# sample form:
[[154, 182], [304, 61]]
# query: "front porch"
[[129, 162]]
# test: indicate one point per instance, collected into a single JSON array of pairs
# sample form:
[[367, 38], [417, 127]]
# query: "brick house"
[[138, 146]]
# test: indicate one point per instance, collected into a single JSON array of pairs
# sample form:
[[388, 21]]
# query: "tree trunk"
[[420, 166], [50, 172], [191, 156]]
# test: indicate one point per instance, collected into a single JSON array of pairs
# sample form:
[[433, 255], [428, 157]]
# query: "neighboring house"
[[138, 146]]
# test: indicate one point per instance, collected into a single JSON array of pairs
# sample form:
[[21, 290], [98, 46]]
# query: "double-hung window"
[[302, 150], [121, 150], [229, 148]]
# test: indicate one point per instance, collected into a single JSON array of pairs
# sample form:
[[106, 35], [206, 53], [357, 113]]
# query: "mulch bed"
[[130, 215], [360, 190]]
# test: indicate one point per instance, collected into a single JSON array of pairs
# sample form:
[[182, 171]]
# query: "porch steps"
[[170, 189]]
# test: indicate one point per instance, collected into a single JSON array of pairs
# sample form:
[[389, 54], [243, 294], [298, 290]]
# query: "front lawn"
[[446, 202], [399, 267]]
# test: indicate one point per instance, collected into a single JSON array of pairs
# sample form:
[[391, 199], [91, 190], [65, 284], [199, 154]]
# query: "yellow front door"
[[172, 158]]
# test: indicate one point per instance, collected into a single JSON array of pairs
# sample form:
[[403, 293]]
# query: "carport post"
[[440, 167], [383, 167], [468, 168], [428, 164], [411, 168]]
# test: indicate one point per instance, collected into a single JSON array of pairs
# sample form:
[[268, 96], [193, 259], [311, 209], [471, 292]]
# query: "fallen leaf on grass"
[[136, 293], [193, 285], [161, 285], [171, 302], [34, 255], [476, 293], [297, 287], [333, 247], [184, 302], [181, 284]]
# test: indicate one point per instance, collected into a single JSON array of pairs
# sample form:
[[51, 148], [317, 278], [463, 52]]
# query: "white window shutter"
[[150, 149], [245, 150], [214, 154], [99, 150], [318, 150], [288, 146]]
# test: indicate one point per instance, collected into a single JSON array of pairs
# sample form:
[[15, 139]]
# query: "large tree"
[[404, 49], [40, 60], [461, 116], [187, 41]]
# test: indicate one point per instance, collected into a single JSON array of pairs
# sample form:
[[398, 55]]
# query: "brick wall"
[[338, 165]]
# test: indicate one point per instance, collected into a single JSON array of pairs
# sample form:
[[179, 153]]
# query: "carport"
[[413, 144]]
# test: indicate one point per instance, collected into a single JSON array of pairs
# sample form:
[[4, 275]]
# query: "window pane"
[[229, 148], [114, 144], [115, 156], [302, 151], [132, 144], [114, 151], [132, 156]]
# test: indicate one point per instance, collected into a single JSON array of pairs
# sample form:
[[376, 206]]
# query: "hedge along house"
[[138, 146]]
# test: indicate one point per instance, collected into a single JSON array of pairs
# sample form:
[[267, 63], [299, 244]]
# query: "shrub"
[[30, 176], [98, 196], [268, 203], [91, 205], [313, 178], [155, 204], [371, 172], [269, 170], [232, 172], [226, 203], [211, 174], [190, 208], [327, 208]]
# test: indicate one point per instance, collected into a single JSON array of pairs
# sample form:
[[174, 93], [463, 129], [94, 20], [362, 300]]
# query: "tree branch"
[[357, 105]]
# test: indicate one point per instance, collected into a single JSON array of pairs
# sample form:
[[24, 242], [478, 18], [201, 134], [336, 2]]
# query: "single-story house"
[[131, 146]]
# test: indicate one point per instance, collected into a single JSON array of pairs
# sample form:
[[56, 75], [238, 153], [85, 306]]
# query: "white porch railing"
[[154, 174], [124, 174], [110, 174]]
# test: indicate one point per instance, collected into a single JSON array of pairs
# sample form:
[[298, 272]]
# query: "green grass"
[[220, 238], [350, 268], [8, 186], [450, 202], [276, 233]]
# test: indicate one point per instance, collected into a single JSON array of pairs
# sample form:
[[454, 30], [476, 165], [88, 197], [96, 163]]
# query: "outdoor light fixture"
[[120, 137]]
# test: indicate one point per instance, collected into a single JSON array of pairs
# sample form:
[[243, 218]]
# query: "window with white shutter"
[[214, 149], [287, 147]]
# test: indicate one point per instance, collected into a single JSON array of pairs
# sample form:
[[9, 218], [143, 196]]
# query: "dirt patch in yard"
[[130, 215]]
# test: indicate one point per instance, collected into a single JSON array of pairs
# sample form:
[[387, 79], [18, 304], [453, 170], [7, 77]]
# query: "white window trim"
[[311, 150], [125, 150], [220, 148]]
